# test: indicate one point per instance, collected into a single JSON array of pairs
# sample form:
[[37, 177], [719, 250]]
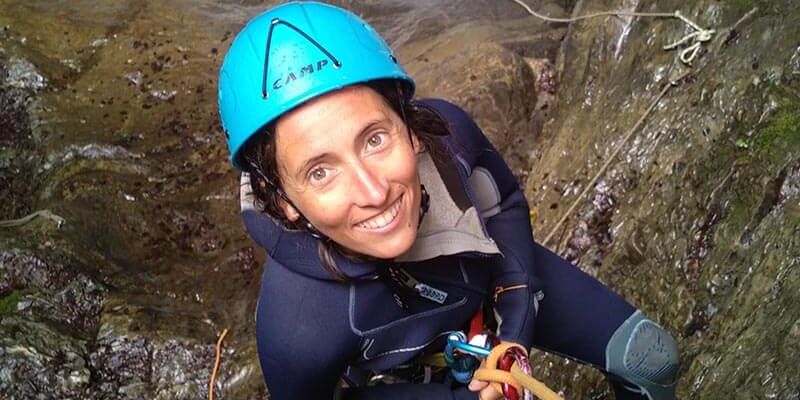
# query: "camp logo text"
[[291, 76]]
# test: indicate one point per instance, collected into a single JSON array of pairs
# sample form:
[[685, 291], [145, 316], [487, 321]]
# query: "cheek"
[[328, 211], [403, 167], [410, 174]]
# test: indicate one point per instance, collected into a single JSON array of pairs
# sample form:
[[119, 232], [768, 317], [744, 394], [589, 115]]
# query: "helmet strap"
[[400, 97], [312, 230], [424, 204], [309, 227]]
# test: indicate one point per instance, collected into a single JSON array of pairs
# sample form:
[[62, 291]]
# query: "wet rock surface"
[[52, 292], [697, 234], [17, 151], [496, 79], [108, 119]]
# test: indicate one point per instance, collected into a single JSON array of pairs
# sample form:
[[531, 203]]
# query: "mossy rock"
[[782, 132], [8, 303]]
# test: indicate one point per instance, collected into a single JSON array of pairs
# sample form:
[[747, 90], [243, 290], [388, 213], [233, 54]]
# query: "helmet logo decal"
[[306, 69]]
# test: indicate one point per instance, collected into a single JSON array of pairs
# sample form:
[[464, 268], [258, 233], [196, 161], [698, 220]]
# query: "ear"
[[291, 213], [415, 143]]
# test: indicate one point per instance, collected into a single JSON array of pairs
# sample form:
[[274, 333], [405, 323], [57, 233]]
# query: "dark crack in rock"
[[593, 231], [122, 365], [17, 149]]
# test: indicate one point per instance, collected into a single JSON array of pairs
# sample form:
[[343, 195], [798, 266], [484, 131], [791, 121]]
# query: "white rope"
[[672, 83], [9, 223], [687, 55]]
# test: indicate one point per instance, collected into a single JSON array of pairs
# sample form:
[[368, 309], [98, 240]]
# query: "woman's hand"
[[484, 389]]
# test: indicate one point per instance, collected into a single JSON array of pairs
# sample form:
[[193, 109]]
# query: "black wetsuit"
[[312, 330]]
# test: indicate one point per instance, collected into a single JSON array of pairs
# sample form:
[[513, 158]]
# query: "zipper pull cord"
[[500, 289]]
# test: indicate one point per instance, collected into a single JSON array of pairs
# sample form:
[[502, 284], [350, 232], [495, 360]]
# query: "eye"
[[318, 174], [376, 141]]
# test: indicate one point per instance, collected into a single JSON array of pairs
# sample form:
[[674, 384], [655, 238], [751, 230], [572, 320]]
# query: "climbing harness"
[[699, 36], [507, 367], [10, 223]]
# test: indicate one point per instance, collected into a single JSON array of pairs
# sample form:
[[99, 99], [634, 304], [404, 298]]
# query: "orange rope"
[[515, 377], [216, 365], [490, 373]]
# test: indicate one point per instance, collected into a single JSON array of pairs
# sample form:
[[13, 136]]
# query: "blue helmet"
[[291, 54]]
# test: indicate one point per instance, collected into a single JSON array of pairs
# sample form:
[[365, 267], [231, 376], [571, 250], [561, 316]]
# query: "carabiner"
[[461, 357]]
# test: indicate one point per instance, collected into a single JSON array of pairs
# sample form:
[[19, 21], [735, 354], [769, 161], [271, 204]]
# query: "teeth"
[[383, 219]]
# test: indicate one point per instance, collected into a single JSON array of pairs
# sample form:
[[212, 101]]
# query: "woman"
[[390, 222]]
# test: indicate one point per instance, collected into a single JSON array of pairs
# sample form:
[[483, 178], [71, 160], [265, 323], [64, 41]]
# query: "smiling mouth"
[[385, 218]]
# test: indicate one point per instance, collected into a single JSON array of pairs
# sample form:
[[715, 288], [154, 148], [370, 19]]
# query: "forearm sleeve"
[[513, 277]]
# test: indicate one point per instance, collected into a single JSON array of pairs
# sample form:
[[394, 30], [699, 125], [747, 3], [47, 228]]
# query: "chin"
[[393, 248], [392, 245], [385, 248]]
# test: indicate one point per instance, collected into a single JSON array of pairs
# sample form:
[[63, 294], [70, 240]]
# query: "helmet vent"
[[276, 22]]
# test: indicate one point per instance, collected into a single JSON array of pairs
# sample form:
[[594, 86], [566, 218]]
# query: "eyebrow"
[[369, 125], [301, 172], [362, 132]]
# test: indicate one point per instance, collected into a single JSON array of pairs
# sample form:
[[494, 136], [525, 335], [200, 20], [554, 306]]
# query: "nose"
[[370, 189]]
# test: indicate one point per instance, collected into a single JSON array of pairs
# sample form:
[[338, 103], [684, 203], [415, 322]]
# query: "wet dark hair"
[[259, 159]]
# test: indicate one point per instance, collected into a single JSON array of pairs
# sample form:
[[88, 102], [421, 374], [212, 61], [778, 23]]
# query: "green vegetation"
[[782, 132], [8, 303], [741, 143]]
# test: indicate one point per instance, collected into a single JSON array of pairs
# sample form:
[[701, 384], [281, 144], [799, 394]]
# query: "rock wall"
[[110, 122], [696, 220]]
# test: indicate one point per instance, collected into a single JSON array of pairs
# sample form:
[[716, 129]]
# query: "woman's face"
[[348, 165]]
